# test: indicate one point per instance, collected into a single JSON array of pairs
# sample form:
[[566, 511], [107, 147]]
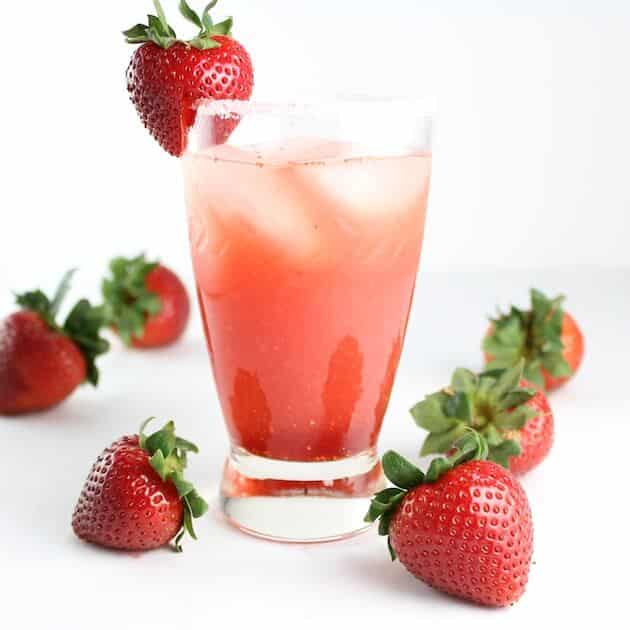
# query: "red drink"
[[305, 258]]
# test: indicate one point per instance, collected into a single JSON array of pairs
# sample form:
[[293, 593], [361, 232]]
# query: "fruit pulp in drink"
[[305, 259]]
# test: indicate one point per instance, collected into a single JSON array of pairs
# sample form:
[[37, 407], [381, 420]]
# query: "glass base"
[[299, 501]]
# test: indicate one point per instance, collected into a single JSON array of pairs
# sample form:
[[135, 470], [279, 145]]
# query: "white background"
[[531, 164], [531, 173]]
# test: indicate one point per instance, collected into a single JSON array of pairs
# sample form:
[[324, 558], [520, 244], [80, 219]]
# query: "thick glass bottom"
[[299, 501]]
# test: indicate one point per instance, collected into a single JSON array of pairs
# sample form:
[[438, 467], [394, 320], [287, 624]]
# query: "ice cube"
[[239, 189], [364, 187]]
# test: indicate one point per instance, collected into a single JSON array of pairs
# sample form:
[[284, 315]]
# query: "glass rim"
[[418, 106]]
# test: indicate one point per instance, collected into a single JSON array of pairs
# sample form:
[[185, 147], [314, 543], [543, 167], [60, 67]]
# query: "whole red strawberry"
[[145, 302], [513, 415], [167, 76], [41, 362], [136, 497], [545, 336], [464, 528]]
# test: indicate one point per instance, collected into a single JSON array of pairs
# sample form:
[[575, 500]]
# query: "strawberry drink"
[[305, 249], [306, 223]]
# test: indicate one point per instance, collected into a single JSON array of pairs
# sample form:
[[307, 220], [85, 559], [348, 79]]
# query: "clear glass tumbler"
[[306, 224]]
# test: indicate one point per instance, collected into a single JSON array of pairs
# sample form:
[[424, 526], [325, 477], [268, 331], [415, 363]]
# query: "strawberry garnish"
[[512, 415], [545, 336], [168, 76], [464, 527], [136, 497], [145, 302], [41, 361]]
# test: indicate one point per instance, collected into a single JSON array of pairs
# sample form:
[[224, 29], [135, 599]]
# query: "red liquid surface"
[[305, 274]]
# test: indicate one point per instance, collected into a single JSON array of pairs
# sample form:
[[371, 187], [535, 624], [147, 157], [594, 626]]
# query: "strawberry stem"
[[160, 13], [162, 34], [61, 292]]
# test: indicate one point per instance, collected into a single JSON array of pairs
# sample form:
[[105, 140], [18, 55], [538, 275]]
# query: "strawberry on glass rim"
[[167, 76], [545, 336], [513, 415]]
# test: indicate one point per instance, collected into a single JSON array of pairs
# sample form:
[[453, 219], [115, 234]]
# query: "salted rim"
[[225, 108]]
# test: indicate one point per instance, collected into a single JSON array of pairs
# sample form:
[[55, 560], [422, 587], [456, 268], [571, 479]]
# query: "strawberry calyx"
[[405, 477], [82, 325], [127, 301], [161, 33], [492, 403], [534, 335], [169, 458]]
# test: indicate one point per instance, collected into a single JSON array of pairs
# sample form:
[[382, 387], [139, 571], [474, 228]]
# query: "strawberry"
[[136, 497], [167, 76], [514, 416], [548, 338], [145, 302], [41, 362], [464, 527]]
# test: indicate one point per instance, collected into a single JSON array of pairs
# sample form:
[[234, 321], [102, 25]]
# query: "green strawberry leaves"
[[441, 441], [507, 381], [501, 453], [464, 380], [534, 335], [183, 486], [222, 28], [471, 445], [194, 507], [82, 325], [203, 43], [189, 14], [127, 301], [515, 398], [457, 405], [38, 302], [556, 365], [185, 446], [137, 34], [162, 34], [169, 458], [401, 472], [383, 506], [161, 442], [492, 403], [429, 413], [198, 505], [157, 31], [405, 476]]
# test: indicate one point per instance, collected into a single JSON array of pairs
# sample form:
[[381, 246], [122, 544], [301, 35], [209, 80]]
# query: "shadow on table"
[[394, 578]]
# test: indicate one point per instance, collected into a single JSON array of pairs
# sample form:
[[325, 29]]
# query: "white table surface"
[[579, 496]]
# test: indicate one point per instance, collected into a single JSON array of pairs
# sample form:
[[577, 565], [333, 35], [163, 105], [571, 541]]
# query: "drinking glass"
[[306, 224]]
